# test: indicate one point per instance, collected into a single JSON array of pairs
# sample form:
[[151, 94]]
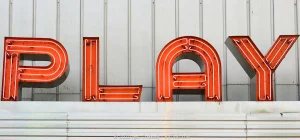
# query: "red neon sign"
[[191, 48], [32, 76], [254, 63]]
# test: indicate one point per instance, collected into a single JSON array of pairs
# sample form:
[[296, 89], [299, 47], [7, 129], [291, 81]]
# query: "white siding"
[[214, 121], [22, 22], [70, 31], [117, 44], [133, 32]]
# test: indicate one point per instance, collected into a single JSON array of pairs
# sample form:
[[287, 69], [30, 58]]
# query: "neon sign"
[[90, 85], [16, 76], [188, 48], [254, 63]]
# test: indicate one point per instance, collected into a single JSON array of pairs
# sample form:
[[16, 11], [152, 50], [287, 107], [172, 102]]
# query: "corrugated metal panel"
[[93, 25], [70, 36], [286, 93], [165, 28], [141, 43], [147, 94], [188, 26], [260, 24], [286, 73], [4, 26], [284, 20], [141, 56], [22, 25], [297, 24], [236, 24], [224, 123], [237, 93], [131, 59], [117, 42]]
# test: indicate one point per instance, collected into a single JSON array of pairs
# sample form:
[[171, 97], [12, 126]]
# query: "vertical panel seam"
[[201, 32], [248, 12], [153, 48], [80, 40], [297, 47], [129, 42], [272, 41], [176, 35], [33, 34], [105, 42], [10, 9], [58, 36], [201, 18], [225, 50], [9, 22]]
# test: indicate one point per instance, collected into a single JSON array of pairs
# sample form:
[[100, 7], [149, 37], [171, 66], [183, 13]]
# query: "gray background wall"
[[132, 33]]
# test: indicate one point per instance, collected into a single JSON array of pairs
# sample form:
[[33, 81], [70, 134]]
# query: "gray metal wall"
[[132, 33]]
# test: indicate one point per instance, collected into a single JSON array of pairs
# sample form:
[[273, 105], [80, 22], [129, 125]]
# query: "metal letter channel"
[[91, 89], [254, 63], [194, 48], [43, 49]]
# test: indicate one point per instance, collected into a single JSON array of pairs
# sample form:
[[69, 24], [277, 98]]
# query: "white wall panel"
[[260, 30], [117, 42], [189, 23], [147, 94], [69, 97], [22, 18], [164, 24], [260, 24], [238, 93], [189, 18], [22, 25], [213, 30], [286, 93], [44, 97], [137, 30], [213, 25], [141, 43], [141, 55], [70, 38], [165, 29], [213, 121], [4, 28], [236, 22], [298, 45], [197, 96], [208, 108], [93, 26], [284, 19], [45, 27]]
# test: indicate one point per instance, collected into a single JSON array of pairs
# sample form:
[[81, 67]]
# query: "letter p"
[[16, 76]]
